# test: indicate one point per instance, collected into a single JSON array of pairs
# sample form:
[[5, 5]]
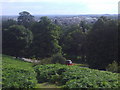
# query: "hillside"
[[76, 77], [17, 74], [20, 74]]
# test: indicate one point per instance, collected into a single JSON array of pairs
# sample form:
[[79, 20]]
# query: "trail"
[[28, 60]]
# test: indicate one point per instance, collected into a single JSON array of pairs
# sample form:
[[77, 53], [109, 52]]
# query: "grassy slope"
[[16, 73], [9, 61], [10, 65]]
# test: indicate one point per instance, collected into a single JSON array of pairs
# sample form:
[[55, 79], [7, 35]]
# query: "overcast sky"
[[59, 7]]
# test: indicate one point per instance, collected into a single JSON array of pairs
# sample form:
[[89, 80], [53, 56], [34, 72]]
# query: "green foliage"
[[102, 43], [113, 67], [84, 26], [73, 44], [46, 36], [47, 72], [25, 19], [45, 61], [16, 39], [84, 42], [91, 83], [6, 24], [58, 58], [17, 74], [76, 77]]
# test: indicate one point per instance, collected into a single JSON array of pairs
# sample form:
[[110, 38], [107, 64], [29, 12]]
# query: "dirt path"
[[28, 60]]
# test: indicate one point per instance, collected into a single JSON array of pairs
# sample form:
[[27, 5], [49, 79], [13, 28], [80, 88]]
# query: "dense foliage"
[[45, 42], [8, 23], [16, 39], [73, 44], [17, 74], [58, 58], [102, 43], [76, 77], [25, 19], [93, 43], [113, 67]]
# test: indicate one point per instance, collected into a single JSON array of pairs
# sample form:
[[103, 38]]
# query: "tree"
[[73, 45], [85, 26], [25, 19], [15, 39], [46, 36], [102, 43], [6, 24]]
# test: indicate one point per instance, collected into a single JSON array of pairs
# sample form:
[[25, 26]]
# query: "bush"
[[58, 58], [76, 77], [18, 78], [17, 74], [45, 61], [91, 83], [114, 67], [46, 73]]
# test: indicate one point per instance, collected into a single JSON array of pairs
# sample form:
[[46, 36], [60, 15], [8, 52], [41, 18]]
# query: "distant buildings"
[[72, 20], [67, 19]]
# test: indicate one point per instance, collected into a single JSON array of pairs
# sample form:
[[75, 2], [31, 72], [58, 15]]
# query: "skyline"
[[59, 7]]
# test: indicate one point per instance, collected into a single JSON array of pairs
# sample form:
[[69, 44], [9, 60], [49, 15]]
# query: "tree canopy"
[[95, 44], [25, 19], [102, 43], [46, 37], [15, 39]]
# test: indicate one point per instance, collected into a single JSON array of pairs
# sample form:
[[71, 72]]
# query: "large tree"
[[72, 42], [102, 43], [25, 19], [15, 39], [46, 36]]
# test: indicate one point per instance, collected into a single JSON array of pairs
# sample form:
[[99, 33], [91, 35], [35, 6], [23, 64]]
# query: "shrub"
[[18, 78], [17, 74], [85, 83], [58, 58], [76, 77], [45, 73], [45, 61], [114, 67]]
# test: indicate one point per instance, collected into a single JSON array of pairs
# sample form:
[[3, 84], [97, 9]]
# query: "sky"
[[58, 7]]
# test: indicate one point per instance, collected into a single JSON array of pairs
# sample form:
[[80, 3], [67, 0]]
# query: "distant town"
[[67, 19]]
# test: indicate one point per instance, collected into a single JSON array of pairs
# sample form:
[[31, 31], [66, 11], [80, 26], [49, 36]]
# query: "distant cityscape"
[[68, 19]]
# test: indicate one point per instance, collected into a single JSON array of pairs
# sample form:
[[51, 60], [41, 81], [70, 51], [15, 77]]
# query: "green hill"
[[17, 74], [20, 74]]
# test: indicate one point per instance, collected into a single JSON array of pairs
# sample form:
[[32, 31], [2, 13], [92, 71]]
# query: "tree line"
[[95, 44]]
